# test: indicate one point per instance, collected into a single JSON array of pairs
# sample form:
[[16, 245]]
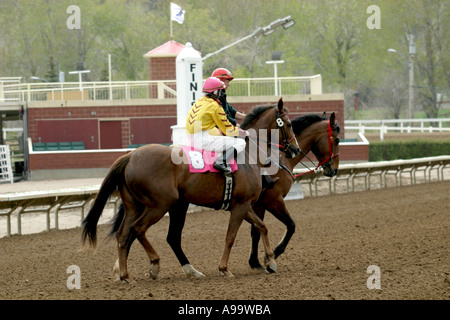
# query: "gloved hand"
[[243, 133]]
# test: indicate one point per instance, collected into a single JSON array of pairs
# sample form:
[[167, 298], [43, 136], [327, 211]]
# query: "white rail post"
[[189, 71]]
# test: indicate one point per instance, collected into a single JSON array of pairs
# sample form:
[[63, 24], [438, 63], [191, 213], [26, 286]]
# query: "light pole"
[[276, 59], [410, 62], [286, 22], [79, 76], [37, 78]]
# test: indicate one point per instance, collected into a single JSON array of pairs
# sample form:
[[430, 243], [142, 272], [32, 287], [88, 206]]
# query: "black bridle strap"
[[327, 160]]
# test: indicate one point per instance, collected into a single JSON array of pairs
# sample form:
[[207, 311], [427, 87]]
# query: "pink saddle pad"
[[202, 160]]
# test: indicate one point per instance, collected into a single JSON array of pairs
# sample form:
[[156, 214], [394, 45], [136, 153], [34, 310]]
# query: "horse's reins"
[[318, 169], [286, 141]]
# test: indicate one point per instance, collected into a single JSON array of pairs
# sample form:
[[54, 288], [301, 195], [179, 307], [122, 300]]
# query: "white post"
[[189, 72], [109, 76], [275, 73]]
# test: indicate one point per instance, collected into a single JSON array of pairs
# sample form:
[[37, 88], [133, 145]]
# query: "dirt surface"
[[404, 231]]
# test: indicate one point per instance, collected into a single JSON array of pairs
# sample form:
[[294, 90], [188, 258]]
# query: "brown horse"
[[151, 183], [314, 133]]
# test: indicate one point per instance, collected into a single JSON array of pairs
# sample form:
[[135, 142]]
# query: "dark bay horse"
[[150, 184], [318, 135]]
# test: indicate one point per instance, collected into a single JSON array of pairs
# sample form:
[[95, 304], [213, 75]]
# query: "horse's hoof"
[[154, 271], [122, 281], [255, 265], [226, 274], [191, 272], [271, 267]]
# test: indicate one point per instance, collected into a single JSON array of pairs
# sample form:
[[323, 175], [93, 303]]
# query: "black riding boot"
[[267, 182], [221, 162]]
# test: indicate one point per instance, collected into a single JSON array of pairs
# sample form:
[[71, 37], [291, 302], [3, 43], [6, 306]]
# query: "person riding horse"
[[226, 77], [209, 129], [224, 145]]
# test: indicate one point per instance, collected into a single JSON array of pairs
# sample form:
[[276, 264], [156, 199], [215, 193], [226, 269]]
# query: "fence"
[[128, 90], [400, 125], [45, 202], [366, 171], [78, 198]]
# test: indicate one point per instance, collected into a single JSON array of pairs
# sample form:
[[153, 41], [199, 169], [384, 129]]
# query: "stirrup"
[[268, 182], [225, 168]]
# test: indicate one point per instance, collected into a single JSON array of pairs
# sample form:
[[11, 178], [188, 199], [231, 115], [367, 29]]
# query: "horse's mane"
[[253, 114], [301, 123]]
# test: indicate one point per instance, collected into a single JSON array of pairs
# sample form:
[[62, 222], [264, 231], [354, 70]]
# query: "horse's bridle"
[[328, 162], [286, 146]]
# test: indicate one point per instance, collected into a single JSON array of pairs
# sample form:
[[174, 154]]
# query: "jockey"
[[232, 114], [209, 128]]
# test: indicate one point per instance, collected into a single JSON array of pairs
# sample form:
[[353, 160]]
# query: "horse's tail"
[[113, 180]]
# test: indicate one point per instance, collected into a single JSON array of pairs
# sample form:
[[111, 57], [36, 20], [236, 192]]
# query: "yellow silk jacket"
[[212, 117]]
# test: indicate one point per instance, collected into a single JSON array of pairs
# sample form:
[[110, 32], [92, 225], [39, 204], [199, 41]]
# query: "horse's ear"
[[280, 104], [332, 120], [324, 114]]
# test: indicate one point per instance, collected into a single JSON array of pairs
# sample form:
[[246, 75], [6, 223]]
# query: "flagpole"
[[170, 17]]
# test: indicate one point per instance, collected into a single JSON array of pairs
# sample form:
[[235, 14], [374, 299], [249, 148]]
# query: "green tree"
[[52, 74]]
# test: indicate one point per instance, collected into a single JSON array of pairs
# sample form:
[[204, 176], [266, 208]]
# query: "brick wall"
[[163, 68], [131, 117], [37, 116], [73, 160]]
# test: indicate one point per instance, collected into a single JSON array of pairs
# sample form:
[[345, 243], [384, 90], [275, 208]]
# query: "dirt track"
[[404, 231]]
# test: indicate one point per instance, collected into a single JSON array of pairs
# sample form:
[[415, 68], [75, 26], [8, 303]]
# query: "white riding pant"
[[203, 140]]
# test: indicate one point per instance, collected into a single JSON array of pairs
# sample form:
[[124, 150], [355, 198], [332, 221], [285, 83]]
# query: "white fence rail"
[[128, 90], [430, 167], [399, 125], [433, 169]]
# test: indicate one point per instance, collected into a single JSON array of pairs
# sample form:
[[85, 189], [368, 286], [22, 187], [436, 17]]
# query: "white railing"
[[128, 90], [9, 82], [399, 125], [246, 87], [115, 90], [432, 168]]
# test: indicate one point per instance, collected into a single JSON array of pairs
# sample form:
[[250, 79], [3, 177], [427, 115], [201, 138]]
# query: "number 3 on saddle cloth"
[[201, 161]]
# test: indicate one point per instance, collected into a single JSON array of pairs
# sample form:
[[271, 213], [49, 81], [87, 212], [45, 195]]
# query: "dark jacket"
[[229, 110]]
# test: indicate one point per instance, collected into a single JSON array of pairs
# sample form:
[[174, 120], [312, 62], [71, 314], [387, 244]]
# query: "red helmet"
[[222, 74], [212, 84]]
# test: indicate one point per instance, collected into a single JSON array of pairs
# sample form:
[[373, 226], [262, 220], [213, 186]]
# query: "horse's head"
[[321, 136], [288, 143], [326, 148], [274, 118]]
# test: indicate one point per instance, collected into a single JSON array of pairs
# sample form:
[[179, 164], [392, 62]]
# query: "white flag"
[[176, 14]]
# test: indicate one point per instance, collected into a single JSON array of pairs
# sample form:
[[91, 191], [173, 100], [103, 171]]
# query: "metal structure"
[[286, 22], [151, 89]]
